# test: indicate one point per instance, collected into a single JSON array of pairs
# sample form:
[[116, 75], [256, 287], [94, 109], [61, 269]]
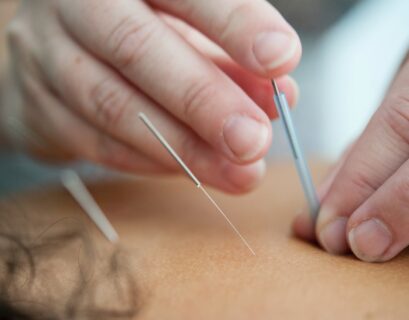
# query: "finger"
[[303, 226], [62, 135], [378, 230], [192, 36], [379, 152], [252, 32], [93, 90], [260, 89], [158, 61], [40, 124], [257, 88]]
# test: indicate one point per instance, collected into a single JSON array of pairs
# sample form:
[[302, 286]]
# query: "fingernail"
[[273, 49], [333, 236], [245, 137], [370, 239]]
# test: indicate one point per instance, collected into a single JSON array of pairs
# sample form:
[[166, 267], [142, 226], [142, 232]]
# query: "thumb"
[[379, 152]]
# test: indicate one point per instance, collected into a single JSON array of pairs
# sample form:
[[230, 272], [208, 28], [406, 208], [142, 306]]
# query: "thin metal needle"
[[73, 183], [163, 141], [228, 220], [276, 91], [167, 146], [300, 162]]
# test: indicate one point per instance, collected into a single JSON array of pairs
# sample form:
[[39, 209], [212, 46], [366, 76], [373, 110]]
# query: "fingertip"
[[289, 65], [277, 52], [370, 239], [303, 227], [332, 236]]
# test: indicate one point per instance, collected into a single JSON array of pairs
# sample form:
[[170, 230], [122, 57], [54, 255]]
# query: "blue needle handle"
[[302, 166]]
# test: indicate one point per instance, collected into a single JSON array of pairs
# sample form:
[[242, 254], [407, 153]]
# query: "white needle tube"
[[72, 182]]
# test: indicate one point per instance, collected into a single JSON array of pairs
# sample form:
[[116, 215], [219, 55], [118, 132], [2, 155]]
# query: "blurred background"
[[352, 49]]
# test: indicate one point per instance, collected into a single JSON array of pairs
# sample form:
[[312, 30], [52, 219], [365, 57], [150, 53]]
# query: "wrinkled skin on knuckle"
[[361, 183], [129, 41], [396, 115], [198, 96], [110, 103]]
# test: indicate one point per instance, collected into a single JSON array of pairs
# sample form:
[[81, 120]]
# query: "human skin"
[[188, 264], [81, 71], [365, 200]]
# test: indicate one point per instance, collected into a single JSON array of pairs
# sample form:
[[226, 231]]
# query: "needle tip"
[[276, 91]]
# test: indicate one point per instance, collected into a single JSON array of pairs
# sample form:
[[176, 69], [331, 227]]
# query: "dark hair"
[[100, 283]]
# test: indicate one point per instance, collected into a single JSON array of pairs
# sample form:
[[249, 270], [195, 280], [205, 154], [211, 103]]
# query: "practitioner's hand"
[[83, 70], [365, 202]]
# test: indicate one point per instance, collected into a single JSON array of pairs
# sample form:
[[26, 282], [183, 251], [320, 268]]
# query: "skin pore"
[[186, 263]]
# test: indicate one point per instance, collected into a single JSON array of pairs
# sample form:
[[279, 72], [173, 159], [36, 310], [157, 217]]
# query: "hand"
[[365, 201], [83, 70]]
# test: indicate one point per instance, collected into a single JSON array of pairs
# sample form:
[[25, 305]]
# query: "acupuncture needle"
[[73, 183], [195, 180], [300, 162]]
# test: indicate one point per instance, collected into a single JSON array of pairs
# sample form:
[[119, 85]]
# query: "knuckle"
[[110, 102], [129, 41], [361, 183], [198, 95], [396, 116]]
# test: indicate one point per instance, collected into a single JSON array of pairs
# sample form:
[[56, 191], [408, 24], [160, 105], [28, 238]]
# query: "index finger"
[[253, 32], [129, 36]]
